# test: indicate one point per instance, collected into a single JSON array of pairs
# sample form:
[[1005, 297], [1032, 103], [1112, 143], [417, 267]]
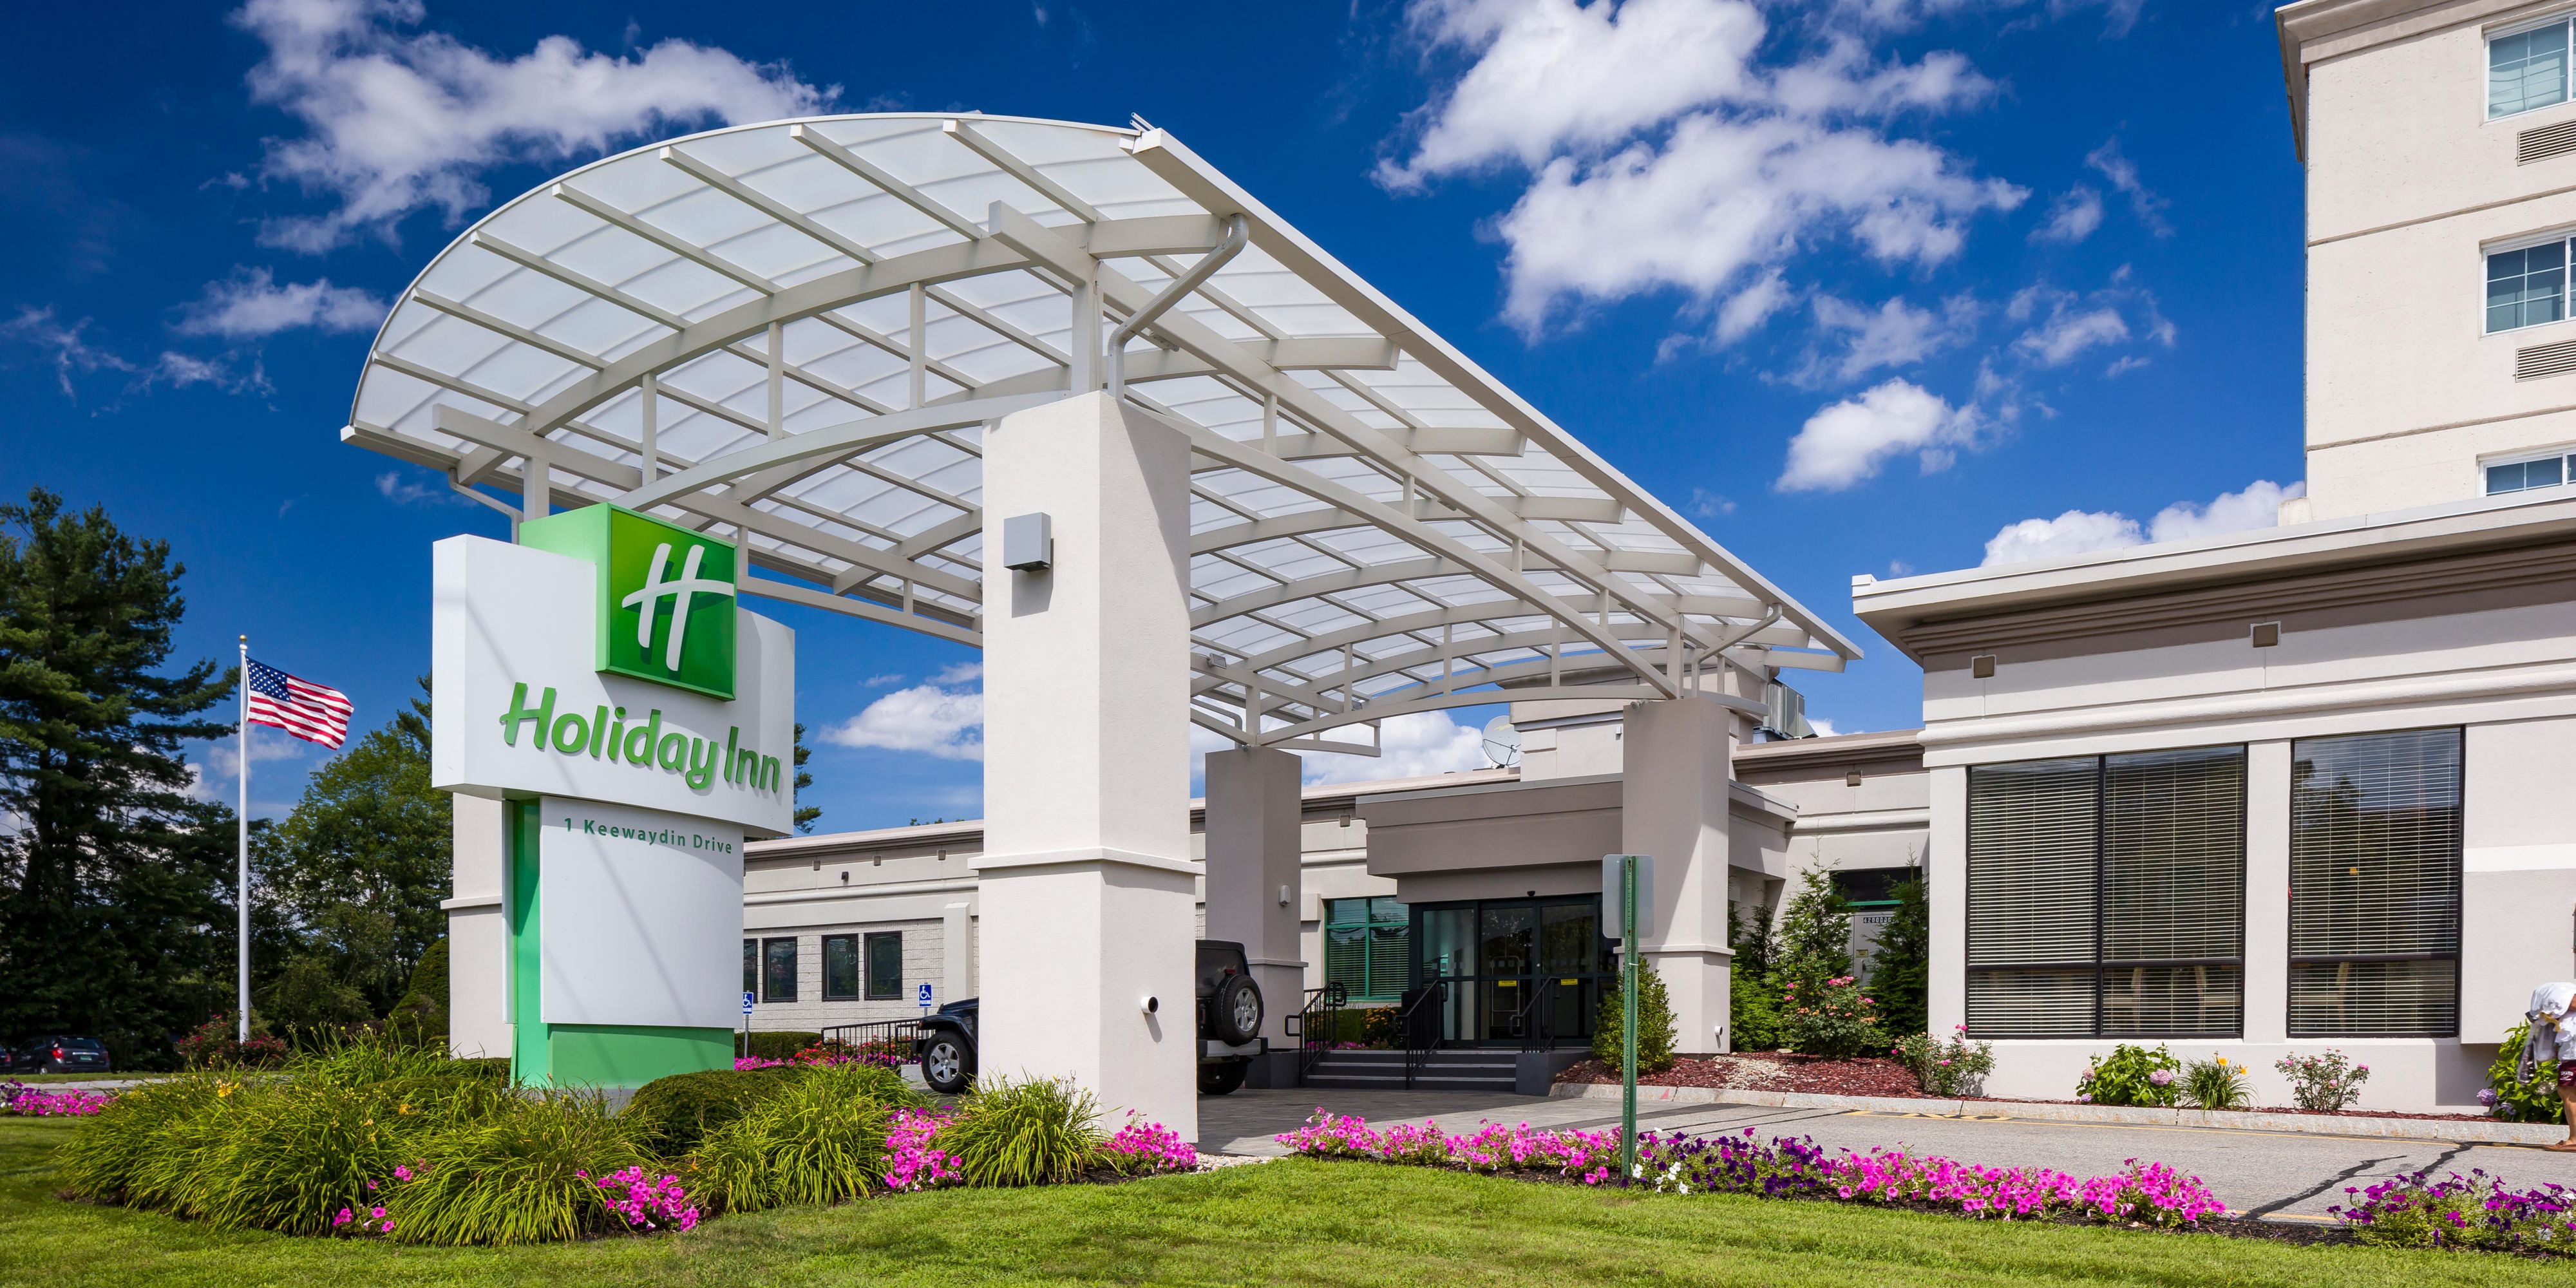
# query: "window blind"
[[1367, 945], [2375, 885], [2106, 895]]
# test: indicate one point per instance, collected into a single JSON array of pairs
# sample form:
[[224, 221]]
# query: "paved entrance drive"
[[2289, 1175]]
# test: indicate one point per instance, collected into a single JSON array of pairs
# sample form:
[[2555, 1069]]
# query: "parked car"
[[1229, 1027], [61, 1054]]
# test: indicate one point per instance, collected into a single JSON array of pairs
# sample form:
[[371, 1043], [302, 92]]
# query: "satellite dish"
[[1502, 743]]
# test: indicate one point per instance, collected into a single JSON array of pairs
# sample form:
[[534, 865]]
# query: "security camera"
[[1152, 1004]]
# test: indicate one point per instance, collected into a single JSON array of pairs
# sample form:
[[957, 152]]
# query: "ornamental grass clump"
[[820, 1139], [1032, 1132], [105, 1160], [2215, 1083], [2475, 1211], [523, 1173]]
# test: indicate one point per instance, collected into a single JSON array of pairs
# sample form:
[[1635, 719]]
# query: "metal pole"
[[1627, 1018], [241, 890]]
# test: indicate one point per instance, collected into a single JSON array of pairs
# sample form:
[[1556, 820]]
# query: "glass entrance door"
[[1514, 965]]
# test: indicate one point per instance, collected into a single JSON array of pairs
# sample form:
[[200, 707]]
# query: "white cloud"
[[1665, 154], [1722, 198], [880, 681], [1550, 74], [251, 303], [2080, 532], [958, 673], [2069, 326], [394, 487], [947, 723], [180, 370], [1747, 309], [1848, 441], [1895, 334], [2118, 16], [1709, 505], [2072, 217], [1412, 746], [66, 348], [1824, 729], [397, 120], [2067, 333], [2123, 174]]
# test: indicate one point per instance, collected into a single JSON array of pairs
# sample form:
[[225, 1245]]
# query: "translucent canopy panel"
[[794, 334]]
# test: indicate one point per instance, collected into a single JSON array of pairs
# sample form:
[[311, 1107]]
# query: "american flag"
[[313, 712]]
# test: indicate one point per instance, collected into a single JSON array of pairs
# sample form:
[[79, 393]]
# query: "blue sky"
[[1876, 287]]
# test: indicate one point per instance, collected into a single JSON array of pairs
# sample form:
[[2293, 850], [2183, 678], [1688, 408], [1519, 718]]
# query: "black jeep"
[[1229, 1028]]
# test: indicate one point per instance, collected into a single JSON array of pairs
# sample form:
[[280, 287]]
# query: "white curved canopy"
[[793, 333]]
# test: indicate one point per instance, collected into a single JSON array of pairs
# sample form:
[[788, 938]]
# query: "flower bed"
[[41, 1102], [2475, 1211], [2147, 1193]]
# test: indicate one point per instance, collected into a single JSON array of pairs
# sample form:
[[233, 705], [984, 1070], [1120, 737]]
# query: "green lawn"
[[1293, 1222]]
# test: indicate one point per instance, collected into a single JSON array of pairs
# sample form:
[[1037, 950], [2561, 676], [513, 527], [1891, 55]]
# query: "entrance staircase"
[[1460, 1069]]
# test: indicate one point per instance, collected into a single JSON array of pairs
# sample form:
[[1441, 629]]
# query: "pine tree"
[[1753, 991], [114, 878], [1654, 1024], [1902, 977], [805, 814], [1815, 935]]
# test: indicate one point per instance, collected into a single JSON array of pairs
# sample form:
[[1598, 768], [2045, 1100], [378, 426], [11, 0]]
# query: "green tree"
[[1753, 991], [1901, 972], [357, 871], [114, 879], [1654, 1024], [1815, 935], [805, 814]]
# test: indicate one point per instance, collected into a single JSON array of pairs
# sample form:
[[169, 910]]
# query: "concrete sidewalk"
[[2285, 1175]]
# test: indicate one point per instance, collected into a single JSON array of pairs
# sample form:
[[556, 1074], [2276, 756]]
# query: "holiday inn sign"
[[666, 594]]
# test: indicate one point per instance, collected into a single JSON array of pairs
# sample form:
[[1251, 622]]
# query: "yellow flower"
[[223, 1089]]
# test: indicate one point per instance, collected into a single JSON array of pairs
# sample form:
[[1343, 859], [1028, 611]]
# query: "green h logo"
[[666, 594]]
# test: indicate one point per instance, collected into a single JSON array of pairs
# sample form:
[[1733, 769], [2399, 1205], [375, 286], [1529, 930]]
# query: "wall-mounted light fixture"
[[1028, 543], [1851, 777], [2267, 634], [1982, 666]]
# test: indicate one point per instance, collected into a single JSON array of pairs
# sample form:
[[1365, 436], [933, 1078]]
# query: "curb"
[[2458, 1131]]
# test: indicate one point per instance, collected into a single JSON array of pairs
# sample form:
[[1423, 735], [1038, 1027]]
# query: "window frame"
[[751, 966], [2099, 965], [858, 981], [1371, 923], [2566, 71], [868, 966], [2566, 471], [768, 993], [2291, 959], [2563, 238]]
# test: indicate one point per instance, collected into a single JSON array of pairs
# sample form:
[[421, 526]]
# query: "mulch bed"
[[1766, 1071]]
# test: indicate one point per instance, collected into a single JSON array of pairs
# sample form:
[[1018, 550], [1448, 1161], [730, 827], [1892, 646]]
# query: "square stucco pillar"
[[478, 940], [1948, 866], [1086, 885], [1678, 762], [1254, 815], [2267, 894]]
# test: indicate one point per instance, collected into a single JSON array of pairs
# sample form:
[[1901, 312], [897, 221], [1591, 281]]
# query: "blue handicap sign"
[[746, 1001], [925, 996]]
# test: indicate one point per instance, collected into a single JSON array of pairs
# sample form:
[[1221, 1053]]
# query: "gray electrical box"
[[1028, 543]]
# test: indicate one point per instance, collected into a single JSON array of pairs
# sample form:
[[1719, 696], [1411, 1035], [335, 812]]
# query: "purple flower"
[[2161, 1077], [2488, 1097]]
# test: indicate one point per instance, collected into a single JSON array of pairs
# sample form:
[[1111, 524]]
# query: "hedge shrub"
[[671, 1115], [782, 1044]]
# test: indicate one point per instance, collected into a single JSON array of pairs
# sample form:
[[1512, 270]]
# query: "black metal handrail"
[[1316, 1022], [895, 1038], [1422, 1032], [1541, 1036]]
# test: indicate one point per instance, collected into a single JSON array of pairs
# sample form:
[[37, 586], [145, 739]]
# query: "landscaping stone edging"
[[2454, 1130]]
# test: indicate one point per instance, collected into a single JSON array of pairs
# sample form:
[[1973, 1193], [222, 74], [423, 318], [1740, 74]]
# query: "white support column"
[[956, 952], [1678, 760], [2267, 894], [1947, 866], [1086, 881], [1254, 887], [478, 933]]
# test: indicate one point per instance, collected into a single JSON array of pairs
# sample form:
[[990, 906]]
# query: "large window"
[[2375, 885], [1367, 946], [751, 967], [840, 968], [2106, 896], [2526, 286], [2527, 69], [778, 970], [885, 966]]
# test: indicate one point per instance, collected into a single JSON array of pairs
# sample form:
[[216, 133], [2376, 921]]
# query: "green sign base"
[[582, 1055]]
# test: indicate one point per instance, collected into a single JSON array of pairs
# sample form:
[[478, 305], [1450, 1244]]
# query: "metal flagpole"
[[241, 892]]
